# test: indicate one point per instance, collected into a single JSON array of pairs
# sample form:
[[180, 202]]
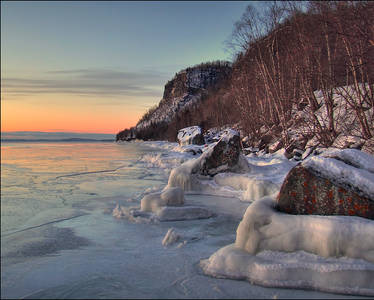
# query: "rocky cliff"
[[187, 88]]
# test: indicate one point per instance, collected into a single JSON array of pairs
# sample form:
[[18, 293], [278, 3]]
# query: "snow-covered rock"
[[190, 135], [328, 253], [223, 156], [336, 182]]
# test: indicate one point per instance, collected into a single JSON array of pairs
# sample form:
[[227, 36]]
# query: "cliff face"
[[184, 90], [192, 80]]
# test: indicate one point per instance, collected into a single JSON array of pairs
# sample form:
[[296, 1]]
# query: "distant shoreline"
[[77, 140]]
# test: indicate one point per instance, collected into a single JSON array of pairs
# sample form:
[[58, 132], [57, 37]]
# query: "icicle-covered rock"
[[336, 182], [327, 253]]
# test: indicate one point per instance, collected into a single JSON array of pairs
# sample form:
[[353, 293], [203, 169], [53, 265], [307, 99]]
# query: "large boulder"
[[336, 182], [190, 135], [224, 156]]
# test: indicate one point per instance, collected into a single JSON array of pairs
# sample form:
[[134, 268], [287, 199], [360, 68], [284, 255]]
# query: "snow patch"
[[338, 171]]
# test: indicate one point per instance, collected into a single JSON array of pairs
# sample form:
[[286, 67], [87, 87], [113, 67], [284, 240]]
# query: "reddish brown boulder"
[[306, 192]]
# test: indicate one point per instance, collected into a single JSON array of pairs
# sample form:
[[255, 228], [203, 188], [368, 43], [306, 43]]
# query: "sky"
[[97, 66]]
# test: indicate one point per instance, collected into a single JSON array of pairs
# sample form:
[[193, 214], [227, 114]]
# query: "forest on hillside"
[[283, 54]]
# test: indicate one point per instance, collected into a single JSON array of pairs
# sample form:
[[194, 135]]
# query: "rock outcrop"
[[186, 89], [336, 182]]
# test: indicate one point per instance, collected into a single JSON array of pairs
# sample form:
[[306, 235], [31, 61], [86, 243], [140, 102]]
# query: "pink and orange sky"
[[97, 66]]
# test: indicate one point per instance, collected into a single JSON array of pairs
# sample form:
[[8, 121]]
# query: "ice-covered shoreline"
[[321, 253], [97, 254]]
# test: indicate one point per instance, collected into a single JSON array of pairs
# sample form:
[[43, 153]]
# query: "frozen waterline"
[[97, 256]]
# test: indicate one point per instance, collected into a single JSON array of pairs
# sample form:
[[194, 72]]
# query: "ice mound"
[[328, 253], [253, 188], [182, 176], [298, 270], [169, 197], [264, 228], [167, 205]]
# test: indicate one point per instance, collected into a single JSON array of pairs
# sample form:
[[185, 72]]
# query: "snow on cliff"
[[184, 90]]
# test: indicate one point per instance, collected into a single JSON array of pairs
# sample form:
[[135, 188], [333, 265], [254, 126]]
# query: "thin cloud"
[[88, 82]]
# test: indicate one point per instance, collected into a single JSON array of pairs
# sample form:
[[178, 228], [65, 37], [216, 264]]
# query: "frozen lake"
[[60, 240]]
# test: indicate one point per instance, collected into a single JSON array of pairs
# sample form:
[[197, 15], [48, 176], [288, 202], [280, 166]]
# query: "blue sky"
[[105, 54]]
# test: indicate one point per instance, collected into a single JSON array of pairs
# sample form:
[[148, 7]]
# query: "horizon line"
[[37, 131]]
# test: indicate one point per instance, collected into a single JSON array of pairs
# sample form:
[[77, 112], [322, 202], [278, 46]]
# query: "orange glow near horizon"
[[69, 115]]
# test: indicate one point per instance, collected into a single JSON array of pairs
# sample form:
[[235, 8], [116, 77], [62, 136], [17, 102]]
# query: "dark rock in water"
[[307, 191], [224, 156]]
